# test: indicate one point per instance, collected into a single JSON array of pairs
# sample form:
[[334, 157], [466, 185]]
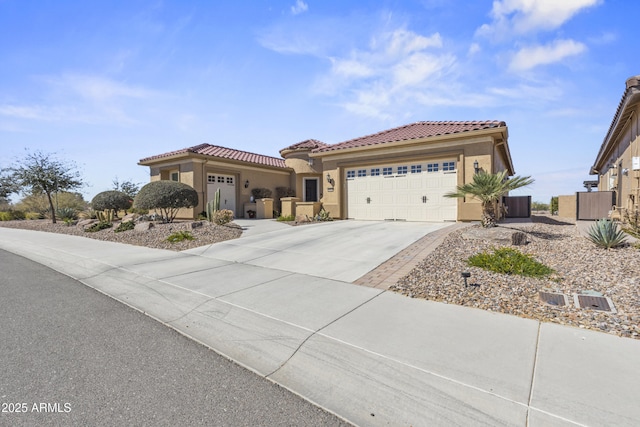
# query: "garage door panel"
[[413, 195]]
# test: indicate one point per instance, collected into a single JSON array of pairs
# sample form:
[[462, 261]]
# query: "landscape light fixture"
[[465, 275], [476, 166], [246, 184]]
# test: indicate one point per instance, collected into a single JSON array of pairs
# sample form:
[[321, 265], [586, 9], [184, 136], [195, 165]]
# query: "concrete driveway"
[[340, 250]]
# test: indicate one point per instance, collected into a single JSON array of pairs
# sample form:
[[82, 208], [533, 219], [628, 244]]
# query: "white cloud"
[[533, 56], [99, 88], [473, 49], [299, 7], [529, 16]]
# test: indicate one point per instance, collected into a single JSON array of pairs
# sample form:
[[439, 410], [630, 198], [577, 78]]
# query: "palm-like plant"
[[488, 188]]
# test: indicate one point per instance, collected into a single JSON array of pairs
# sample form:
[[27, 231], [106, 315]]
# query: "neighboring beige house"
[[397, 174], [618, 162]]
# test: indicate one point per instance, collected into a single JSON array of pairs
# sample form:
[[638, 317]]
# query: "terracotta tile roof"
[[309, 143], [223, 153], [416, 130]]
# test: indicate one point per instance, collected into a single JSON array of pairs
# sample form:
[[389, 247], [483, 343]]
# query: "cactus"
[[105, 216], [213, 206]]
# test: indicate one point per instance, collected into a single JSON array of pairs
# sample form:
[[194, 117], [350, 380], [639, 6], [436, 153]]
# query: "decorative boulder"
[[143, 226], [518, 238]]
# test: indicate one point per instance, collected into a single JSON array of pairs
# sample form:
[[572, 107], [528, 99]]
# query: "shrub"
[[261, 193], [98, 226], [11, 215], [67, 214], [222, 217], [323, 215], [34, 215], [632, 223], [179, 236], [605, 234], [287, 218], [509, 261], [167, 197], [111, 200], [124, 226]]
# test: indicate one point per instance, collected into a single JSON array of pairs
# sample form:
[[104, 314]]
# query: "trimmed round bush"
[[167, 197], [111, 200]]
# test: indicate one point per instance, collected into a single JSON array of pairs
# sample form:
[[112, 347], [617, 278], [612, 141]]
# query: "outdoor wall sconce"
[[476, 166], [329, 179], [465, 275], [311, 162], [246, 184], [625, 171]]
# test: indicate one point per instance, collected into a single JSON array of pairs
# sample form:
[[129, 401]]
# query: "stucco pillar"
[[264, 208], [289, 205]]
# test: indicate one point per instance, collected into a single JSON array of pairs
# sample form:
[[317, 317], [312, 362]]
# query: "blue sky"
[[106, 83]]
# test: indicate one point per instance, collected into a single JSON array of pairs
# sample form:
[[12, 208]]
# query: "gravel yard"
[[155, 237], [579, 266]]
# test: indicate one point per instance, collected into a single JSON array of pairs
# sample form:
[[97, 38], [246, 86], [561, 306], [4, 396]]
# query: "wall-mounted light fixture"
[[311, 162], [246, 184], [476, 166], [329, 178], [625, 171]]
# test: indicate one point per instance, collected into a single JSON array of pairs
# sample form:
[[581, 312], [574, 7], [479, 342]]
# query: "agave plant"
[[605, 234]]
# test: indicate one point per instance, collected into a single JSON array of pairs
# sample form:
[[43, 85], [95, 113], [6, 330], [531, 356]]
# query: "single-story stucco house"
[[618, 161], [397, 174]]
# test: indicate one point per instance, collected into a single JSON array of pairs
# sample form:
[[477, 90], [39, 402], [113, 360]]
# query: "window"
[[416, 168], [362, 172], [351, 174], [402, 170], [229, 180], [211, 178], [387, 171], [448, 166], [375, 172], [432, 167], [221, 179], [174, 176]]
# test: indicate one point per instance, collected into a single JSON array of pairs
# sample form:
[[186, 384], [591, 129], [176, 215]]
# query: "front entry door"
[[311, 189]]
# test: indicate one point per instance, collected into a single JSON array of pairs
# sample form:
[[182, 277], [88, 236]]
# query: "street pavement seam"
[[533, 371], [318, 332]]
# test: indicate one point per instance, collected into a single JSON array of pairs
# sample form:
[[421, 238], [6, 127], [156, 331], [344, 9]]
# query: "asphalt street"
[[70, 355]]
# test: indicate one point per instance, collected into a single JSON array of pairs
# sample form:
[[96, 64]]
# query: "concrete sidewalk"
[[370, 356]]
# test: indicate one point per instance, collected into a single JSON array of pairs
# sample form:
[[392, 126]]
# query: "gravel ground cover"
[[205, 234], [579, 266]]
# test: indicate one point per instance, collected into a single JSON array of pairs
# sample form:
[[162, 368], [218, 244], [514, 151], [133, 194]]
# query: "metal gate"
[[517, 206], [594, 205]]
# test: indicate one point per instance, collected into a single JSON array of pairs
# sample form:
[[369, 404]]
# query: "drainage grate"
[[555, 300], [594, 303]]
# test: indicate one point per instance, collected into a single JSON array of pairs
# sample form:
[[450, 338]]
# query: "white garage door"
[[227, 186], [409, 192]]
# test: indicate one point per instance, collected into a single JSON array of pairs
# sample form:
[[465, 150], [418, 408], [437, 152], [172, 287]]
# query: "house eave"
[[626, 110]]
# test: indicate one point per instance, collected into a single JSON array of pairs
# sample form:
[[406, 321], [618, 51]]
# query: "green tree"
[[41, 173], [553, 207], [129, 187], [7, 184], [167, 197], [488, 188]]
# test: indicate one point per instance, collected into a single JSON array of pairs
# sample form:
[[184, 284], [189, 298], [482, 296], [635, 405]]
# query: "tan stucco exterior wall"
[[194, 172], [622, 178], [464, 150], [567, 207]]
